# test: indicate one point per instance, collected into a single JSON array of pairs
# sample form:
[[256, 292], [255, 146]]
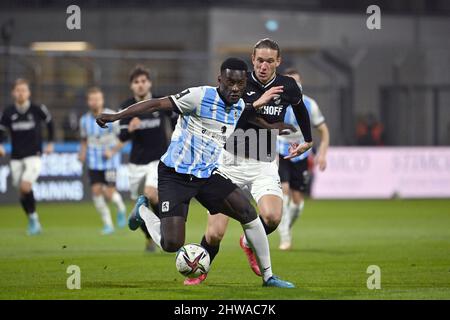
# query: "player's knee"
[[25, 187], [214, 236], [272, 218]]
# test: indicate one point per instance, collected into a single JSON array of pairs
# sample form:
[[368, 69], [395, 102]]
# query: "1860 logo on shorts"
[[165, 206]]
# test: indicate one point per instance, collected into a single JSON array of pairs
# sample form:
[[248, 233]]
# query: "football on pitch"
[[192, 260]]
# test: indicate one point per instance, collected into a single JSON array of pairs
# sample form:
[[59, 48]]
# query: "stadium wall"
[[352, 173]]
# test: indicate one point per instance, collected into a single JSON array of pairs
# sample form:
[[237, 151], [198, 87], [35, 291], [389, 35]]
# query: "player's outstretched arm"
[[142, 107], [302, 117]]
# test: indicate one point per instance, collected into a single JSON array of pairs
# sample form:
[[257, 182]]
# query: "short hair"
[[139, 71], [267, 43], [234, 64], [93, 90], [20, 81]]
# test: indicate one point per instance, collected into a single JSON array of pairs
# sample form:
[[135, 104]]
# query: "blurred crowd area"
[[375, 87]]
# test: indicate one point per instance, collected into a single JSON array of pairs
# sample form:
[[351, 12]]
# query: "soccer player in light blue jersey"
[[294, 173], [208, 116], [99, 150]]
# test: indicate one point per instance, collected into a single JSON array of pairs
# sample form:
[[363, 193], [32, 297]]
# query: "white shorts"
[[26, 169], [142, 175], [260, 178]]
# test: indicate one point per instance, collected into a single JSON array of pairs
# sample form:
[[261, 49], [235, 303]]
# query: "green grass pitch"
[[335, 242]]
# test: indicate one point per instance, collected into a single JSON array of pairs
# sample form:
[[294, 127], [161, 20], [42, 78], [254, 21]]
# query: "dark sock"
[[28, 202], [212, 250], [267, 228]]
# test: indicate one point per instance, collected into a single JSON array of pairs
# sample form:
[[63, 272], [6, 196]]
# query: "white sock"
[[102, 208], [295, 210], [117, 199], [34, 216], [257, 238], [284, 227], [152, 222]]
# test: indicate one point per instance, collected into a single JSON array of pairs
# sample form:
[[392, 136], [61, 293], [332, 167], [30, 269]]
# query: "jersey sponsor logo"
[[23, 125], [182, 94], [277, 100], [251, 93], [271, 110], [149, 123], [221, 138], [165, 206]]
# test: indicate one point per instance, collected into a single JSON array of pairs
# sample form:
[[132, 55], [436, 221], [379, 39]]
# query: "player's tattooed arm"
[[142, 107]]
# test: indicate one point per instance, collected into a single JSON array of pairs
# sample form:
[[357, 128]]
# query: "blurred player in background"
[[23, 120], [99, 149], [294, 173], [149, 135], [257, 170]]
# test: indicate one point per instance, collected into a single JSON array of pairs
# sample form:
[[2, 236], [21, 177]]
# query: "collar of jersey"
[[260, 83], [25, 109], [226, 104]]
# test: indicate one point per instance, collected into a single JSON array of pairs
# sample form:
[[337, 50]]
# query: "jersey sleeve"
[[187, 101], [292, 91], [317, 117], [4, 125], [44, 114]]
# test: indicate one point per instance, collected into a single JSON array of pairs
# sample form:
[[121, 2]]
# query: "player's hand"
[[283, 128], [134, 124], [268, 96], [296, 149], [321, 161], [108, 154], [2, 151], [104, 118], [49, 148]]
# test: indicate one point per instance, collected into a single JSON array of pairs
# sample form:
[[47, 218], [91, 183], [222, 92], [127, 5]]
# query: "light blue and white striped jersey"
[[285, 141], [204, 125], [98, 141]]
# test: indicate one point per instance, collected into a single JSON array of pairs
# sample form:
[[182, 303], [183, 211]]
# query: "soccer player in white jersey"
[[96, 149], [294, 173], [188, 169]]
